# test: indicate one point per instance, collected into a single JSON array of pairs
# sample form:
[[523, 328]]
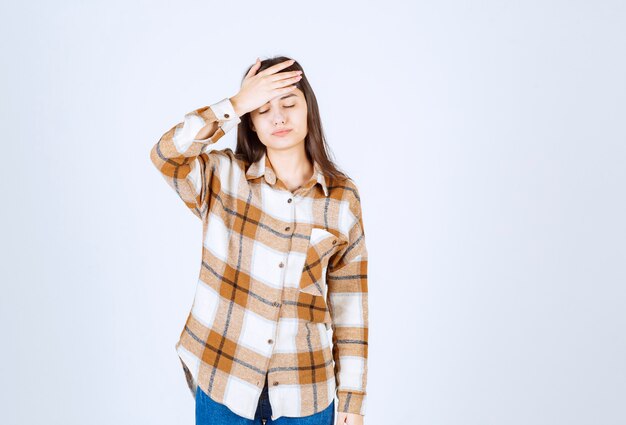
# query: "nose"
[[279, 118]]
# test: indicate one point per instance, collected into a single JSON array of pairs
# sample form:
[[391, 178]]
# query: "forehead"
[[291, 95]]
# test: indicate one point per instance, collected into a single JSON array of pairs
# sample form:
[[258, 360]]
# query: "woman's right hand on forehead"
[[258, 89]]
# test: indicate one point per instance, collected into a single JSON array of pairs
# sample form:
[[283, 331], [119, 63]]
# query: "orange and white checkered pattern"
[[279, 271]]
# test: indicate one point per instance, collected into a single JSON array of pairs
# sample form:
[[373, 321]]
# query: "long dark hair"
[[250, 148]]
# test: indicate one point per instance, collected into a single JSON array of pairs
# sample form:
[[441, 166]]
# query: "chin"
[[281, 143]]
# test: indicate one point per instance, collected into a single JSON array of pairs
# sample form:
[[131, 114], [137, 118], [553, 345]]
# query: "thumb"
[[254, 68]]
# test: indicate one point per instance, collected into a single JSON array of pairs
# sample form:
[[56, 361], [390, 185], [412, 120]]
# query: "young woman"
[[284, 258]]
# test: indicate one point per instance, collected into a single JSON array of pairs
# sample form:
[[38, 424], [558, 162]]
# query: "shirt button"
[[226, 115], [334, 241], [281, 265], [276, 303], [275, 383], [270, 341], [287, 228], [289, 200]]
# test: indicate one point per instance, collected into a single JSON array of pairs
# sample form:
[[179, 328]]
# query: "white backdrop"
[[489, 146]]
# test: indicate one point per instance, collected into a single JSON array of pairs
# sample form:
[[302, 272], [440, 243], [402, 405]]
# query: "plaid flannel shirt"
[[279, 270]]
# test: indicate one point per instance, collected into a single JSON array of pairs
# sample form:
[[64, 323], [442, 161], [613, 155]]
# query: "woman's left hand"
[[349, 419]]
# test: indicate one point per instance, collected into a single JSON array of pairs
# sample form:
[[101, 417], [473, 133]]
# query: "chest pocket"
[[312, 288]]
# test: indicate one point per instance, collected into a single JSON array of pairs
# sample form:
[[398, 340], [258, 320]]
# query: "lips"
[[281, 132]]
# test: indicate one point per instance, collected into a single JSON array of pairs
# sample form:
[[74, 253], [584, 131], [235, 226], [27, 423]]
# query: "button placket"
[[282, 264]]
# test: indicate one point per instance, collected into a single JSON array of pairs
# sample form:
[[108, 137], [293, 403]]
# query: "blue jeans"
[[209, 412]]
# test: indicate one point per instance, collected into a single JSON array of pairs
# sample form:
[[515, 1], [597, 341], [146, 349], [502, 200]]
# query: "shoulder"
[[346, 190], [226, 158]]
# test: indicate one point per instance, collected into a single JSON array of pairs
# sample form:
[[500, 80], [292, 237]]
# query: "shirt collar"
[[263, 167]]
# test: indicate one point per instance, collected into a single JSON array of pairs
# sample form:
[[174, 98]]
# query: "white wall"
[[488, 142]]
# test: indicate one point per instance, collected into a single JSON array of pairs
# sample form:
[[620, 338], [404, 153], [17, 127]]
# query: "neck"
[[291, 165]]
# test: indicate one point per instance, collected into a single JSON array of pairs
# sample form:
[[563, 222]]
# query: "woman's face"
[[288, 111]]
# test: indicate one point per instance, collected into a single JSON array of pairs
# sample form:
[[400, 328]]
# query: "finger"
[[287, 89], [279, 92], [275, 68], [284, 75], [286, 81]]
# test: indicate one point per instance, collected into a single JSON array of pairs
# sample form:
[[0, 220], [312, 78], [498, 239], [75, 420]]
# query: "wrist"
[[238, 110]]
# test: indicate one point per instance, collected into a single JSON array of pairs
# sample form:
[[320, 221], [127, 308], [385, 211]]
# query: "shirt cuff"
[[351, 402], [225, 113]]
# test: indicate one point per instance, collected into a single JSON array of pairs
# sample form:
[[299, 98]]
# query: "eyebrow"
[[283, 97]]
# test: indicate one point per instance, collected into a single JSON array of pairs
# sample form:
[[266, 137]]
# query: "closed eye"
[[286, 106]]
